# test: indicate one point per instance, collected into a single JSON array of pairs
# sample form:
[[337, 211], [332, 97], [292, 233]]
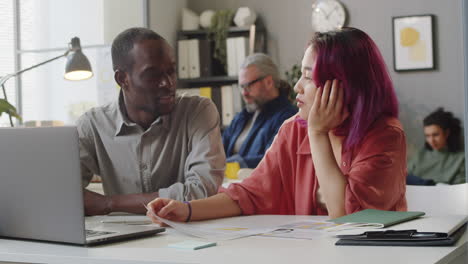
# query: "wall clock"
[[328, 15]]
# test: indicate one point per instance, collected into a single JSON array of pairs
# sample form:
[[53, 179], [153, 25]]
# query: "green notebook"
[[376, 218]]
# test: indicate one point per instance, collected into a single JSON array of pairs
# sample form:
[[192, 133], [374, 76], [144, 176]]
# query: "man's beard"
[[251, 107], [256, 105]]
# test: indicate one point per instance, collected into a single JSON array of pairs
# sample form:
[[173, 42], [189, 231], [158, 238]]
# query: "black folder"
[[401, 238]]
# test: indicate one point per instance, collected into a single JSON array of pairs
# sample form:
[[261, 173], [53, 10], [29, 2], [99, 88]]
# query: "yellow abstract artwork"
[[413, 42], [410, 38]]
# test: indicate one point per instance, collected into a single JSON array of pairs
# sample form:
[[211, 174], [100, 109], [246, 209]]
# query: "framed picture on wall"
[[413, 43]]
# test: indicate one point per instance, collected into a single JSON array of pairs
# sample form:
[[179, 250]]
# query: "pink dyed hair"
[[352, 57]]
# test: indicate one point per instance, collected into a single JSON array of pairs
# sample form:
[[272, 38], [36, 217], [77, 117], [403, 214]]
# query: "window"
[[45, 29], [7, 52]]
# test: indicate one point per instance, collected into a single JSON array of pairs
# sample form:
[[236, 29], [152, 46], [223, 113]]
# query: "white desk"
[[245, 250]]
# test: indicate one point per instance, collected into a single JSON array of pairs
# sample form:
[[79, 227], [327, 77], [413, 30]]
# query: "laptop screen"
[[41, 190]]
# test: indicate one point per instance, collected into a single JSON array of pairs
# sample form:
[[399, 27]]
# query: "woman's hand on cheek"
[[328, 110]]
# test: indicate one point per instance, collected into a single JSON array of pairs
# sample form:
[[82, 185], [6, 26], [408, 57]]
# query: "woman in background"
[[343, 152], [442, 159]]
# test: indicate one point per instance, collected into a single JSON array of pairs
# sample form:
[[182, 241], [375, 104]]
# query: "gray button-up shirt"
[[180, 155]]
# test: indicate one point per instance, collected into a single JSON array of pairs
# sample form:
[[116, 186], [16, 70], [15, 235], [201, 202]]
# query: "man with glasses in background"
[[251, 132], [149, 143]]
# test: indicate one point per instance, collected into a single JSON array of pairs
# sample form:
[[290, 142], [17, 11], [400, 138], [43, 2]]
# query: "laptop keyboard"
[[93, 233]]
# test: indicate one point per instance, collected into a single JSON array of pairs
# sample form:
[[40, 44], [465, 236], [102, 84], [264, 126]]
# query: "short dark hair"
[[446, 121], [124, 42]]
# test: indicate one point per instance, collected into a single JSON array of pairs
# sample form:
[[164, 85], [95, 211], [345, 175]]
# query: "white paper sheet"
[[303, 230], [219, 229]]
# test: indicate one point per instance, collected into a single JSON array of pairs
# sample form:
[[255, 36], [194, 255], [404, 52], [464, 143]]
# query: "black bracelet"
[[189, 217]]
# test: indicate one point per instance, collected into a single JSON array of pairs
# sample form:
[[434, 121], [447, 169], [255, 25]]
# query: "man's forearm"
[[131, 203]]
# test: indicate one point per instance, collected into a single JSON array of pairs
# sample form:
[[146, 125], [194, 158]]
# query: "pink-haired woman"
[[343, 152]]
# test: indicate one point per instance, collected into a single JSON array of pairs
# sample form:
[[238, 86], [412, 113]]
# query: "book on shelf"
[[194, 58], [237, 101], [237, 49], [232, 65], [183, 58], [205, 53], [242, 50], [216, 97], [227, 113]]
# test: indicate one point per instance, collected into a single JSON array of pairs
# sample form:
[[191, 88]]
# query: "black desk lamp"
[[77, 68]]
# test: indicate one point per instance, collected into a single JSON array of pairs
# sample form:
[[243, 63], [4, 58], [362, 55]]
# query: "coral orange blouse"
[[285, 182]]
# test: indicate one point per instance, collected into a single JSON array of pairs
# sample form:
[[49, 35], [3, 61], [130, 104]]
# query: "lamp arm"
[[39, 64], [8, 76]]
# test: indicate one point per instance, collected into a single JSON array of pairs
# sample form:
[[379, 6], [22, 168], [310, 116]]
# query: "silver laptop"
[[41, 193]]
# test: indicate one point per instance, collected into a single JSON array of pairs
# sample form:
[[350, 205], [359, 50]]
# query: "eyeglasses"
[[246, 86]]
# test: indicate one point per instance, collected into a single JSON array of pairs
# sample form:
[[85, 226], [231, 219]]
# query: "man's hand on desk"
[[97, 204]]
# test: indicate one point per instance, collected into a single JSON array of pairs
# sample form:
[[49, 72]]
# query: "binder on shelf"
[[227, 113], [194, 58], [216, 97], [183, 58], [242, 50], [232, 64], [205, 58], [237, 101], [208, 66]]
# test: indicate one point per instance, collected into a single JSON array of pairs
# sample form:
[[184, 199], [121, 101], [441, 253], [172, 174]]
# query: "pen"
[[136, 222]]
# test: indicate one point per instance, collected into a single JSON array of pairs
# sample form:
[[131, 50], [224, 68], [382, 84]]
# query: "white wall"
[[419, 92], [119, 15], [165, 18]]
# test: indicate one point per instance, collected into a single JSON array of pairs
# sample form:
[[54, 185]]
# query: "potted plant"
[[292, 77], [6, 107], [218, 32]]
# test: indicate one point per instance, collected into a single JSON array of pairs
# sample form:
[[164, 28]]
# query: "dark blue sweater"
[[260, 136]]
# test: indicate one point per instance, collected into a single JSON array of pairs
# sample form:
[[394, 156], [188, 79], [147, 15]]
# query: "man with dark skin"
[[150, 143]]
